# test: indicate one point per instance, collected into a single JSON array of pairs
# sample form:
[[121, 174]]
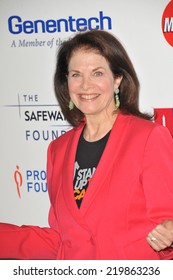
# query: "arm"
[[158, 188], [28, 242], [31, 242]]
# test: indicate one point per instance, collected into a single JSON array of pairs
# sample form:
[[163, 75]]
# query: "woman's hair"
[[119, 62]]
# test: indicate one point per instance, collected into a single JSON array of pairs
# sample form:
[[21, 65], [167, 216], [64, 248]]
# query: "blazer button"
[[92, 241], [68, 243]]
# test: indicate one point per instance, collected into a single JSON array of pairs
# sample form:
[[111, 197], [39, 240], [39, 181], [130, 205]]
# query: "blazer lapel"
[[107, 160], [68, 173], [104, 167]]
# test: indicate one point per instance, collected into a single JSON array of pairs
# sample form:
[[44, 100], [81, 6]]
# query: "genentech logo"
[[167, 23], [17, 25], [164, 116]]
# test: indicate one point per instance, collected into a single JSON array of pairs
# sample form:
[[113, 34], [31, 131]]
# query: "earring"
[[117, 100], [71, 105]]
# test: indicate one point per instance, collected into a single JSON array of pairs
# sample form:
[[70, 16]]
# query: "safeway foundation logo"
[[167, 23], [164, 116], [48, 119]]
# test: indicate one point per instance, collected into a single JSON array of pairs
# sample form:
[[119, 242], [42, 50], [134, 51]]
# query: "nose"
[[86, 82]]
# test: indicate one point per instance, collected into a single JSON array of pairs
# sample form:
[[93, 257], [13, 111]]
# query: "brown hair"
[[120, 64]]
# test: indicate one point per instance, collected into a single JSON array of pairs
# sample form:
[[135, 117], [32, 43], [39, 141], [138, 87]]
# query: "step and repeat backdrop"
[[30, 35]]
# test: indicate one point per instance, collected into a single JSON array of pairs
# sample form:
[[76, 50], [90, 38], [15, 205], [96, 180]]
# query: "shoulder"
[[142, 124], [141, 128], [62, 141], [156, 135], [63, 138]]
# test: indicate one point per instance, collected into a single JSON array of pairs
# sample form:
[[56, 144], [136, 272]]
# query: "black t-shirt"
[[87, 157]]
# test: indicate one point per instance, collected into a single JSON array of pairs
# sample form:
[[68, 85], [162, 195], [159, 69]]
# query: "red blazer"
[[130, 193]]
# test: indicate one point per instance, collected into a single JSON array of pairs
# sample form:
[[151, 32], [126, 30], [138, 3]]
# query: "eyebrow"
[[95, 69]]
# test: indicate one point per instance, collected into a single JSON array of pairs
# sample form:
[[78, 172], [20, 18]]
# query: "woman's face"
[[91, 83]]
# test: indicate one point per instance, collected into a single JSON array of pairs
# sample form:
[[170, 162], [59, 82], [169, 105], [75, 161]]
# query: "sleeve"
[[27, 242], [157, 178], [31, 242]]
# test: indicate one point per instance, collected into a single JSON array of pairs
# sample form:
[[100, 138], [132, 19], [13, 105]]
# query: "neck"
[[96, 129]]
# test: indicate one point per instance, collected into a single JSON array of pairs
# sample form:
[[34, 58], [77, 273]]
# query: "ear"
[[117, 81]]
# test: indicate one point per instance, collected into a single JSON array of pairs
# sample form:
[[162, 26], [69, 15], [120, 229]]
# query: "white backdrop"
[[30, 116]]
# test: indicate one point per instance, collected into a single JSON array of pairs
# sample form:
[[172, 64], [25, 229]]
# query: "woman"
[[110, 178]]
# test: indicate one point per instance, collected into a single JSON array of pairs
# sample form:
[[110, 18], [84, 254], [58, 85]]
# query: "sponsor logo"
[[43, 122], [167, 23], [18, 178], [30, 181], [17, 25], [36, 181], [164, 116]]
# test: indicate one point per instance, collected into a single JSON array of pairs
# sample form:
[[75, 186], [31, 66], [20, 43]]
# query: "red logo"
[[164, 116], [167, 23], [18, 180]]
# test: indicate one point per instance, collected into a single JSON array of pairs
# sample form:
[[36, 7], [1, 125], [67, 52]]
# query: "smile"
[[88, 96]]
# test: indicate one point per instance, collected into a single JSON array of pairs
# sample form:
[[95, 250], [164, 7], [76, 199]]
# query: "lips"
[[88, 96]]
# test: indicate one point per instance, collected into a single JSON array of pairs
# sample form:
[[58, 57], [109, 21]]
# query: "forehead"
[[87, 57]]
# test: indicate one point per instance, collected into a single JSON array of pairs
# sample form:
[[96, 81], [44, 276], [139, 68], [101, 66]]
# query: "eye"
[[74, 75], [98, 74]]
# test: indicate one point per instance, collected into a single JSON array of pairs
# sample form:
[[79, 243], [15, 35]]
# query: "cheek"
[[107, 87], [71, 87]]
